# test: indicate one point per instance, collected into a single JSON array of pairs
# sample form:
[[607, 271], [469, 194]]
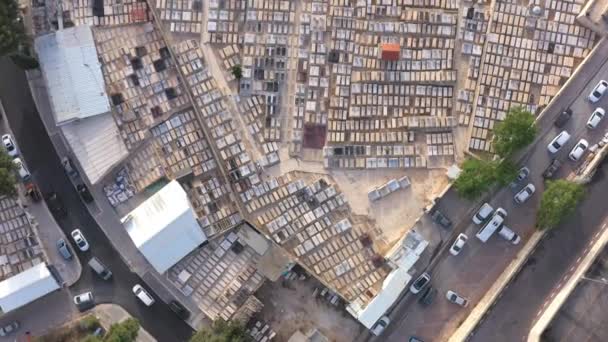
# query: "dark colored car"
[[84, 192], [179, 310], [56, 205], [428, 296], [563, 118], [553, 167], [441, 219]]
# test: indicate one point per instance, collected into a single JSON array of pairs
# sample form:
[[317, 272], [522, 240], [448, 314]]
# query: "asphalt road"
[[479, 264], [583, 315], [520, 303], [48, 173], [517, 309]]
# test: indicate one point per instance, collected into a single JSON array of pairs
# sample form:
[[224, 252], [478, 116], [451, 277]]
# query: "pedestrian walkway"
[[49, 232]]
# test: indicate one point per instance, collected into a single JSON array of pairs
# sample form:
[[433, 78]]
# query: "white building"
[[26, 287], [405, 254], [164, 227], [80, 105]]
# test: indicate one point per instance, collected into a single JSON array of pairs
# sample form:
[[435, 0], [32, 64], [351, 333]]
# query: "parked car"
[[595, 118], [456, 298], [441, 219], [98, 267], [509, 235], [64, 250], [10, 146], [483, 213], [560, 140], [84, 193], [458, 244], [524, 194], [84, 301], [415, 339], [379, 327], [143, 295], [179, 309], [32, 190], [598, 91], [578, 150], [521, 175], [428, 296], [56, 205], [81, 242], [552, 168], [9, 328], [23, 173], [563, 117], [420, 283], [66, 162]]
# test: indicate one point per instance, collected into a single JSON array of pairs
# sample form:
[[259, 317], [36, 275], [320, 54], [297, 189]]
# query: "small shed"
[[390, 51]]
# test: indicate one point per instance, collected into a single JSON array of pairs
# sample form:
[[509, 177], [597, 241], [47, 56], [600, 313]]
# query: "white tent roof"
[[96, 143], [71, 68], [26, 287], [164, 227], [393, 285]]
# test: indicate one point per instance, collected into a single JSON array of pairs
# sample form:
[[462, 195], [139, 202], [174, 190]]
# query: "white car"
[[578, 150], [83, 298], [595, 118], [458, 244], [23, 173], [81, 242], [9, 328], [483, 213], [420, 283], [524, 194], [379, 327], [9, 145], [559, 141], [456, 298], [143, 295], [598, 91]]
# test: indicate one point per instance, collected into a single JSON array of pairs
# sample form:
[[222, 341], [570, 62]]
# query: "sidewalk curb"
[[560, 298], [68, 282], [487, 301]]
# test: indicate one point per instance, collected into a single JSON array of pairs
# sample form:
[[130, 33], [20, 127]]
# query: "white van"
[[489, 228], [143, 295]]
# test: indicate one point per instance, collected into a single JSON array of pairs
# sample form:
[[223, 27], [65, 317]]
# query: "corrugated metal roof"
[[164, 227], [71, 68], [96, 143], [26, 287]]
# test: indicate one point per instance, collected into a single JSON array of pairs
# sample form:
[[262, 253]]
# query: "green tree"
[[504, 171], [516, 131], [12, 33], [7, 175], [559, 201], [14, 43], [477, 177], [237, 72], [222, 331], [125, 331]]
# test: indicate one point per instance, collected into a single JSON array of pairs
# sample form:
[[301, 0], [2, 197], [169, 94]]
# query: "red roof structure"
[[390, 52]]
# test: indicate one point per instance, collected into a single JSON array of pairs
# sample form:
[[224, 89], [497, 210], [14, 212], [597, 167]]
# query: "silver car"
[[9, 328], [456, 298], [524, 194]]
